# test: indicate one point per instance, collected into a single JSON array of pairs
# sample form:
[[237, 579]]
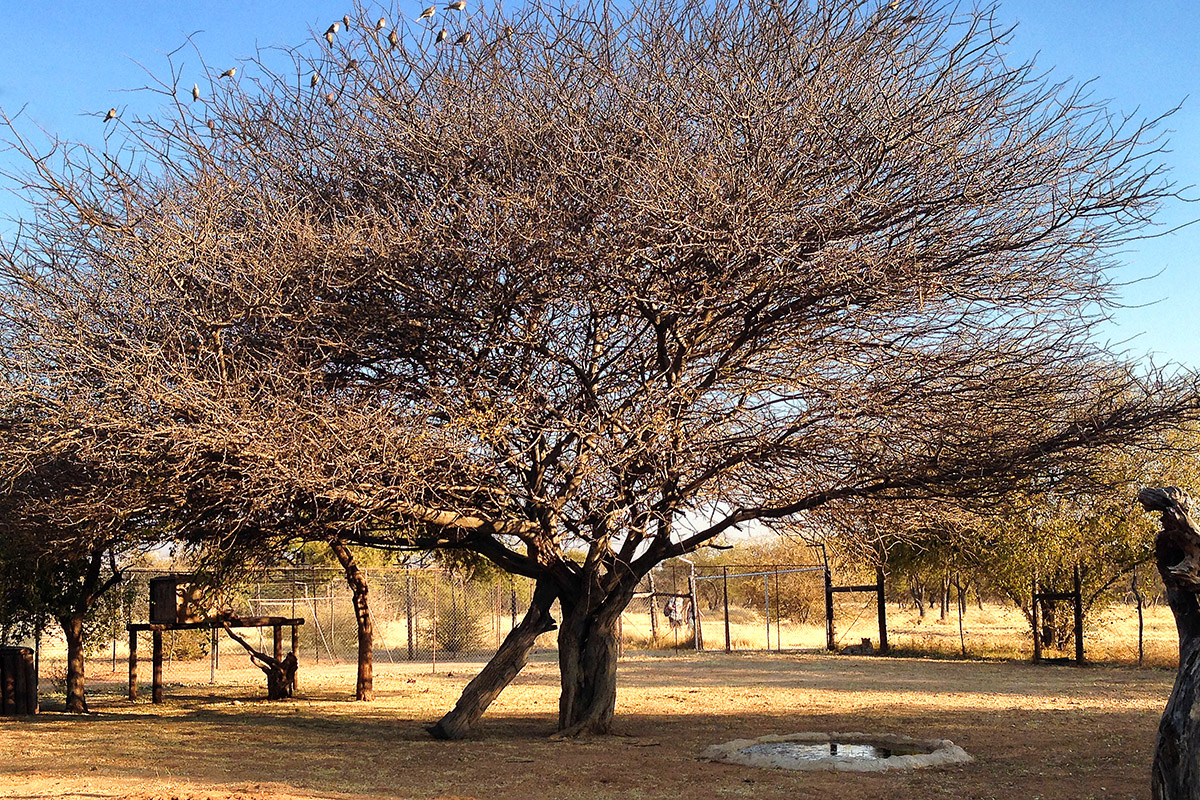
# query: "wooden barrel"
[[18, 682]]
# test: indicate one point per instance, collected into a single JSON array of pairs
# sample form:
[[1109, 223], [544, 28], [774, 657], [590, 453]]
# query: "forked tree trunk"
[[1176, 771], [73, 632], [364, 686], [509, 660], [281, 673], [587, 662]]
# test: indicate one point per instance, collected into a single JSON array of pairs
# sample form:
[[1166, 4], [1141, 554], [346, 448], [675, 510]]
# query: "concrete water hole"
[[847, 752]]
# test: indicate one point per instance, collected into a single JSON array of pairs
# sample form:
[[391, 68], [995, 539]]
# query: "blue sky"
[[68, 59]]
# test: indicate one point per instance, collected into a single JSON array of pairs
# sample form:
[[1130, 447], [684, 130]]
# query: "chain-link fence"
[[744, 607], [432, 616]]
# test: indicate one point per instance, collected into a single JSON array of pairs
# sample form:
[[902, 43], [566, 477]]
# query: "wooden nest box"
[[176, 599]]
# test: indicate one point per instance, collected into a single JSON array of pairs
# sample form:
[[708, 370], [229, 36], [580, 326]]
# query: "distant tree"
[[598, 286], [67, 527]]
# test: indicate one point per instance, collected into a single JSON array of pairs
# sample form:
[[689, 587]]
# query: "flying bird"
[[441, 37], [381, 24], [112, 114], [314, 80], [229, 73], [195, 92], [393, 39], [427, 13], [457, 5], [466, 37]]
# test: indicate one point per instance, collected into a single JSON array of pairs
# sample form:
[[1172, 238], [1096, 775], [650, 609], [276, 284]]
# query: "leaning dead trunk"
[[509, 660], [281, 673], [364, 685], [1176, 770], [587, 662], [73, 632]]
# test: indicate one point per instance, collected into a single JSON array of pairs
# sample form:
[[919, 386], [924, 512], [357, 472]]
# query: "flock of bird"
[[331, 33]]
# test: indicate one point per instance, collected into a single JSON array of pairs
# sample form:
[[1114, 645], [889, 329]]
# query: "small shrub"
[[188, 645], [461, 626]]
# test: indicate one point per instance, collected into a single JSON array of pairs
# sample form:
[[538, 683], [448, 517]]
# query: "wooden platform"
[[277, 624]]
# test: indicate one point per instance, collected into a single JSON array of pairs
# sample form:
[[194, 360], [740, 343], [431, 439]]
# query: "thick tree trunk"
[[73, 632], [364, 686], [1176, 771], [509, 660], [587, 661]]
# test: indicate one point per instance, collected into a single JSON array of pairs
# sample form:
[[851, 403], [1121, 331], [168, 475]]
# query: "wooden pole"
[[156, 689], [31, 688], [1078, 617], [697, 633], [829, 643], [1033, 609], [296, 650], [882, 602], [133, 672], [277, 641], [725, 594]]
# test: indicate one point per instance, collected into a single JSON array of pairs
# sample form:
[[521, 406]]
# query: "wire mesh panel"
[[415, 614]]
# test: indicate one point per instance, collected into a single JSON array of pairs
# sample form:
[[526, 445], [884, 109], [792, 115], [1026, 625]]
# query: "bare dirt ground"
[[1036, 732]]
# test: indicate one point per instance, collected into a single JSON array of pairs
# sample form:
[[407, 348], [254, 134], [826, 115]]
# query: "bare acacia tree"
[[597, 286]]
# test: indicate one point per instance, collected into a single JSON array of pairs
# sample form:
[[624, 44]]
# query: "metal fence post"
[[778, 609], [725, 594], [883, 640], [653, 610], [767, 605], [829, 643]]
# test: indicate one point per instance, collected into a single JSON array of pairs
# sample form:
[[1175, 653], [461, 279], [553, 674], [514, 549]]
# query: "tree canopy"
[[594, 287]]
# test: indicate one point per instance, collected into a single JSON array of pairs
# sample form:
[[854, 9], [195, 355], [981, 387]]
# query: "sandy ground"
[[1036, 732]]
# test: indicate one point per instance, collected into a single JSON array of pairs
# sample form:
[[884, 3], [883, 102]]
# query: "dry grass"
[[991, 632], [1035, 731]]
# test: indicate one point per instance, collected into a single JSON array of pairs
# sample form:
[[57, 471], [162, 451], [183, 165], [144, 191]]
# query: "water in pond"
[[804, 751]]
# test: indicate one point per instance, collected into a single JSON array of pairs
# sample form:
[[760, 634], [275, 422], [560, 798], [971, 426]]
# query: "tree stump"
[[18, 682]]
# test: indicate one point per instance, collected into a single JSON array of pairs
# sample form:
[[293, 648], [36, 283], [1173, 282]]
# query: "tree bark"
[[1176, 771], [509, 660], [73, 632], [587, 661], [280, 672], [364, 685]]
